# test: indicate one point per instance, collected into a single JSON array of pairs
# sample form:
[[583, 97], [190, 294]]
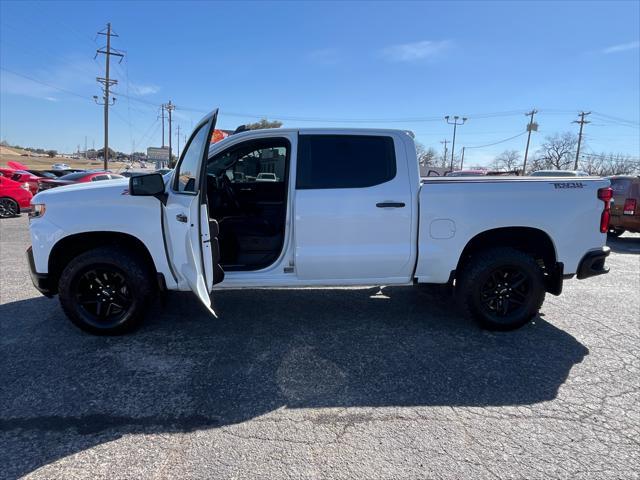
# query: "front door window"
[[188, 174]]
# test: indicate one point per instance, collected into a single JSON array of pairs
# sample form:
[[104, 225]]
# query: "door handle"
[[181, 217], [390, 204]]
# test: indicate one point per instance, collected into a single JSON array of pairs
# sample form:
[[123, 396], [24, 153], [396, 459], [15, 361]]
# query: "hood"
[[87, 191]]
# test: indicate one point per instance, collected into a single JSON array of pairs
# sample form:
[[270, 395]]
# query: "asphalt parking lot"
[[323, 383]]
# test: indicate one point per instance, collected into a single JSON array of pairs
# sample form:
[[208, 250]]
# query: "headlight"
[[38, 210]]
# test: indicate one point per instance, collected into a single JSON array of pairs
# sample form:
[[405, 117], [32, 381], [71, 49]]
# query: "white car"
[[351, 210], [60, 166], [266, 177]]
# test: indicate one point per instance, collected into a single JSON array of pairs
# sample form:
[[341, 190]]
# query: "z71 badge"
[[568, 185]]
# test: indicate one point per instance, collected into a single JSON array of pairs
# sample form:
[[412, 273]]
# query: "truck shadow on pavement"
[[64, 391], [624, 244]]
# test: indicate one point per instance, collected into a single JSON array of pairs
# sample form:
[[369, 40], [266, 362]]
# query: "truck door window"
[[255, 161], [344, 161], [188, 170]]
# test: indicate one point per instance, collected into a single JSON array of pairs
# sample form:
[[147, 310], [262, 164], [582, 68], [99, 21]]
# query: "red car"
[[22, 176], [77, 177], [14, 197]]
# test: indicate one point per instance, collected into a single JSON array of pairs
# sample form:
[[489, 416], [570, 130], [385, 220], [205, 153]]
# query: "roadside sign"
[[159, 155]]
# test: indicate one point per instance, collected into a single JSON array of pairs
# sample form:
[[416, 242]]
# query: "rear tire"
[[501, 288], [106, 291], [8, 208], [615, 232]]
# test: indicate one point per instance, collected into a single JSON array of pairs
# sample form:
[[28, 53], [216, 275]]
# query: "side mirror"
[[151, 185]]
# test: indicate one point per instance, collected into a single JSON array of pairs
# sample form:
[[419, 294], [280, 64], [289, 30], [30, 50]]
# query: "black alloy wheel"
[[501, 288], [104, 295], [505, 291], [8, 208], [106, 290]]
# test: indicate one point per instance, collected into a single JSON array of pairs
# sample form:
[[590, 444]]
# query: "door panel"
[[186, 219], [343, 233]]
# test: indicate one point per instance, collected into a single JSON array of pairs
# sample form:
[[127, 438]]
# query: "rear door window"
[[344, 161]]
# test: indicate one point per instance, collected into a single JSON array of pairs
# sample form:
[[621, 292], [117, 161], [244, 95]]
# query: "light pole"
[[455, 126]]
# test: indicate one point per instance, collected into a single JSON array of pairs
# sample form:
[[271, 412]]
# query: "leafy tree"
[[112, 153], [426, 156], [51, 153], [264, 123]]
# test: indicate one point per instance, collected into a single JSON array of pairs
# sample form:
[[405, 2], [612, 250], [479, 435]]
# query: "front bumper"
[[41, 281], [592, 263]]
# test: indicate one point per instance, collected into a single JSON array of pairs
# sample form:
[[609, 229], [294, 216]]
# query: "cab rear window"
[[344, 161]]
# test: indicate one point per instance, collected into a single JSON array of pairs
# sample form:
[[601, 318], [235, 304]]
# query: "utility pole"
[[462, 161], [455, 126], [178, 135], [444, 156], [107, 82], [531, 127], [170, 108], [162, 116], [582, 122]]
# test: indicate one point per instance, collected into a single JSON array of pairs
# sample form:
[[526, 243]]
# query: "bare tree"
[[592, 164], [507, 160], [609, 164], [534, 163], [558, 150]]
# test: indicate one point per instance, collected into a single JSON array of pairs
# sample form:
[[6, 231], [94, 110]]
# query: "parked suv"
[[625, 209]]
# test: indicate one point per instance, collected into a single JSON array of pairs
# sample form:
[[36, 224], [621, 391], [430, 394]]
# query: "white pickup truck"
[[347, 207]]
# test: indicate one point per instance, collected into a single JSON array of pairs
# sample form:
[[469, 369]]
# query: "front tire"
[[105, 291], [502, 288], [8, 208]]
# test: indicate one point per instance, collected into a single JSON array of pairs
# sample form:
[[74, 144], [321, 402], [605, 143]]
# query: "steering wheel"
[[229, 193]]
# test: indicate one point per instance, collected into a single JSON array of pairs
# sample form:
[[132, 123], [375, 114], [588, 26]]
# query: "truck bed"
[[453, 210]]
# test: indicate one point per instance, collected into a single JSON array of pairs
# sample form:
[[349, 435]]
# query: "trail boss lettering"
[[568, 185]]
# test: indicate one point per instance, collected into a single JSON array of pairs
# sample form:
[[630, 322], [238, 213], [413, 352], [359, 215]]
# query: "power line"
[[305, 119], [618, 119], [46, 84], [498, 142]]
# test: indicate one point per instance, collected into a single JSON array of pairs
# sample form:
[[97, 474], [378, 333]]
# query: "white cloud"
[[411, 52], [621, 47], [138, 89]]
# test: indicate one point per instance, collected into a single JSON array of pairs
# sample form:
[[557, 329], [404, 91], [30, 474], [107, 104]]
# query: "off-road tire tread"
[[489, 259], [138, 275]]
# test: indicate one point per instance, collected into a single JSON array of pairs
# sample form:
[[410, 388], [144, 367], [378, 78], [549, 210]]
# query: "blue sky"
[[398, 65]]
